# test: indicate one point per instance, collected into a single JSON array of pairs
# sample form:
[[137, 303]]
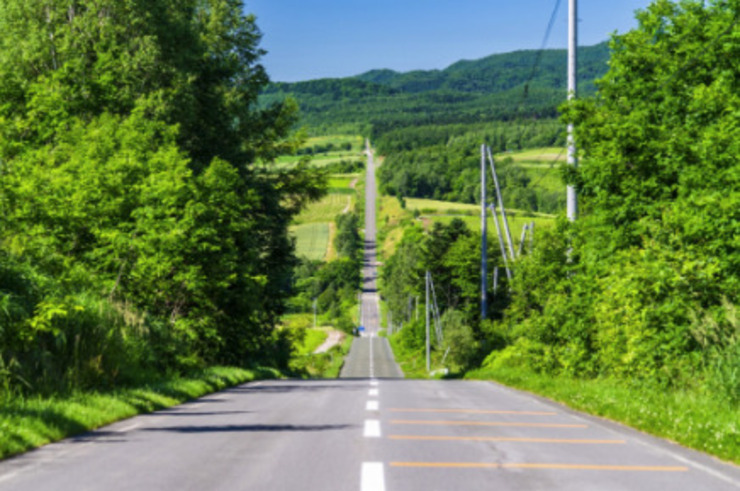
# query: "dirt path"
[[334, 338]]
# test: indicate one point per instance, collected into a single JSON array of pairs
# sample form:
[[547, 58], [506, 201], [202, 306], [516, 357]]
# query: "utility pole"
[[500, 241], [509, 240], [484, 235], [572, 89], [427, 316]]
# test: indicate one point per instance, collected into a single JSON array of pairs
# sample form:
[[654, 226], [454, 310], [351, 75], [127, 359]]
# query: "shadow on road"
[[250, 428], [304, 386]]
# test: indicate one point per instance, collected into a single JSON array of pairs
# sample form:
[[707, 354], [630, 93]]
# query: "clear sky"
[[308, 39]]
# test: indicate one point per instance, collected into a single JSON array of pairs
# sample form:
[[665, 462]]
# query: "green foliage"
[[644, 285], [137, 234], [460, 343]]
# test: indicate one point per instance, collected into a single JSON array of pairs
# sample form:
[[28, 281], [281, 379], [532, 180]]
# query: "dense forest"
[[643, 286], [137, 234]]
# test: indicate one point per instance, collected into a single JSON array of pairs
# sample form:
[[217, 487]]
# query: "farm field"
[[326, 209], [314, 227], [312, 240], [394, 218], [326, 150], [540, 156]]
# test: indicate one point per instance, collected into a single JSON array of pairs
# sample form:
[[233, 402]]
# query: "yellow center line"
[[578, 467], [484, 423], [507, 439], [473, 411]]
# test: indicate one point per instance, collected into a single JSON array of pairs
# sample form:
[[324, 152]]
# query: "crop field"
[[342, 183], [313, 228], [326, 150], [326, 209], [393, 219], [430, 206], [312, 240]]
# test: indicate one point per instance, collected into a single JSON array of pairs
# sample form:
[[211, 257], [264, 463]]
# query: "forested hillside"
[[137, 234], [496, 88]]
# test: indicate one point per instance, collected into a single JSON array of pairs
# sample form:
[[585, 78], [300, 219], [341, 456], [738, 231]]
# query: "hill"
[[499, 87]]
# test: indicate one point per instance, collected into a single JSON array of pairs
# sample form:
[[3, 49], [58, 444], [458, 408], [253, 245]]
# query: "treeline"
[[644, 286], [136, 236], [504, 87], [443, 162]]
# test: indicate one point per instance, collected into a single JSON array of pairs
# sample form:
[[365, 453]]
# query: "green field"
[[393, 218], [326, 209], [312, 227], [539, 156], [326, 150], [312, 240]]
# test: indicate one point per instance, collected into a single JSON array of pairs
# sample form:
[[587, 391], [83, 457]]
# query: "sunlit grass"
[[692, 418], [27, 423], [546, 155], [312, 240]]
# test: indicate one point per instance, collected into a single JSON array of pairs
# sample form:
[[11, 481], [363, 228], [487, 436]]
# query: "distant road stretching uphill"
[[370, 355], [369, 431]]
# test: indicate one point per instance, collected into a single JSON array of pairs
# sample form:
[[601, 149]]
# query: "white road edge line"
[[372, 428], [372, 406], [372, 477]]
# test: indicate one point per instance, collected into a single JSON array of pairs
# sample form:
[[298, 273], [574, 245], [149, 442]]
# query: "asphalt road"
[[368, 435], [370, 356], [369, 431]]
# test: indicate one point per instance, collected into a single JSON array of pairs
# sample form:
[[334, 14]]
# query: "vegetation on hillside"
[[496, 88]]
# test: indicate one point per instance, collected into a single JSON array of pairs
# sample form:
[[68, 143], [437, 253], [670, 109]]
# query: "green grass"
[[27, 423], [546, 155], [453, 208], [691, 418], [312, 240], [337, 154], [323, 365], [326, 209], [314, 338]]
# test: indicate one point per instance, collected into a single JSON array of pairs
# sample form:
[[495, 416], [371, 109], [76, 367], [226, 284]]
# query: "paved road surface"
[[368, 435], [369, 431], [369, 346]]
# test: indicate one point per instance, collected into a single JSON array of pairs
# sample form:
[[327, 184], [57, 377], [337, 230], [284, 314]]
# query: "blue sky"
[[308, 39]]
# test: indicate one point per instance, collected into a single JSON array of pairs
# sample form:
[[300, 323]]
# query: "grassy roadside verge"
[[27, 423], [323, 365], [689, 418]]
